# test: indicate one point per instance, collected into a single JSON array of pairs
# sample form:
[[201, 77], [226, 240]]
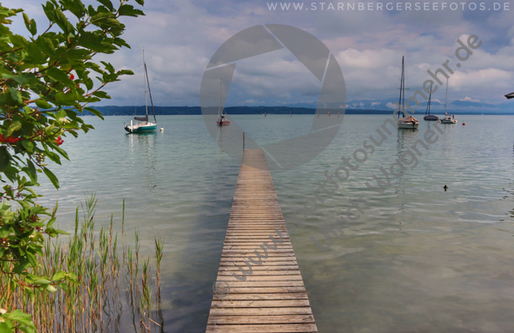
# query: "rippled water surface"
[[419, 259]]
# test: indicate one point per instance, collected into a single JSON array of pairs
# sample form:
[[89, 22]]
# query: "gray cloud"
[[181, 36]]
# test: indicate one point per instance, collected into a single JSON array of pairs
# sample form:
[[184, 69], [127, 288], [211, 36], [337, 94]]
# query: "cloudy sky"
[[180, 36]]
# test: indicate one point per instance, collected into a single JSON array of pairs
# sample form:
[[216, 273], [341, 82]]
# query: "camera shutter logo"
[[317, 59]]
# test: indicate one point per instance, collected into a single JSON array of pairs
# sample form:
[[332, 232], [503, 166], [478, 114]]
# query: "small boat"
[[221, 120], [428, 116], [143, 125], [448, 119], [408, 122]]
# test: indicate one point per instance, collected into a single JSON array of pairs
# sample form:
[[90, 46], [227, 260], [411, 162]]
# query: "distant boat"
[[448, 119], [429, 116], [406, 122], [221, 120], [143, 125]]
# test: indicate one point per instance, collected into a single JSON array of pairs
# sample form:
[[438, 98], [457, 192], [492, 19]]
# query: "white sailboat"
[[143, 125], [221, 120], [408, 122], [448, 119]]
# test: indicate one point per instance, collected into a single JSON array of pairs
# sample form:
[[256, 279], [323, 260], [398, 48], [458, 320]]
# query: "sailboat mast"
[[219, 107], [446, 99], [149, 91], [403, 90], [146, 82], [427, 112]]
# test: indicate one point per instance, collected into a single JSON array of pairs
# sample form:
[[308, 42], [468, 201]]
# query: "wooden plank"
[[280, 319], [276, 328], [260, 311], [260, 304], [255, 297], [269, 295]]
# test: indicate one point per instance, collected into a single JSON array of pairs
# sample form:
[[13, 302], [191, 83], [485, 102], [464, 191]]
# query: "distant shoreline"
[[233, 110]]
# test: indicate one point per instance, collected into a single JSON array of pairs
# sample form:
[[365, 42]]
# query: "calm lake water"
[[418, 260]]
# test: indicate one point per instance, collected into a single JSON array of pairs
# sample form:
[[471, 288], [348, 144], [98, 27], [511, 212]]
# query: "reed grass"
[[95, 303]]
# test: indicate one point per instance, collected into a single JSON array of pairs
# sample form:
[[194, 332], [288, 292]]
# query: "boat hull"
[[448, 121], [431, 118], [141, 128], [223, 122], [408, 125]]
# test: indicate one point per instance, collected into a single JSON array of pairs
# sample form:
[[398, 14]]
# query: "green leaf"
[[5, 328], [5, 158], [129, 10], [75, 6], [121, 42], [27, 21], [50, 288], [141, 2], [50, 224], [59, 276], [45, 45], [15, 125], [26, 329], [107, 3], [22, 318], [28, 145], [52, 177], [31, 169], [101, 94], [94, 111], [26, 78], [33, 27], [61, 76], [16, 96], [65, 99], [19, 41], [41, 281], [125, 72], [62, 21], [43, 104]]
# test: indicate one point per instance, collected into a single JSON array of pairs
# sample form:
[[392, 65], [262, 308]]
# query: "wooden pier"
[[272, 298]]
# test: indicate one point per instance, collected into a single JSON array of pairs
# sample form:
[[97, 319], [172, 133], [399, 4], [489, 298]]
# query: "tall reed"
[[95, 302]]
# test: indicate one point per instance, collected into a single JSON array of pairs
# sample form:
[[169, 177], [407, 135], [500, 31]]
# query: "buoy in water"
[[463, 124], [162, 129]]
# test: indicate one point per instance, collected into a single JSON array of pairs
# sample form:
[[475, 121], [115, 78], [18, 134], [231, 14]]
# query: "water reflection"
[[143, 155]]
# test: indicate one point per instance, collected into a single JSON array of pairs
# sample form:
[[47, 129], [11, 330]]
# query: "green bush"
[[46, 81]]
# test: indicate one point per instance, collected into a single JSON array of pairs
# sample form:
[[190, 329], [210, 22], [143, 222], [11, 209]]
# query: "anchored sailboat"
[[408, 122], [448, 119], [221, 120], [429, 116], [143, 125]]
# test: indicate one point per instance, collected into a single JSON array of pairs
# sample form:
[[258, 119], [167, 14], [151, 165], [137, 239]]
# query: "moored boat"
[[221, 120], [428, 116], [448, 119], [406, 122], [143, 125]]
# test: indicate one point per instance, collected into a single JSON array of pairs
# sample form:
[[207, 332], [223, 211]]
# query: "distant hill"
[[456, 107], [196, 110]]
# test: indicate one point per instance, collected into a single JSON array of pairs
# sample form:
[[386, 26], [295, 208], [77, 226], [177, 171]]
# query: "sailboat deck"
[[272, 298]]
